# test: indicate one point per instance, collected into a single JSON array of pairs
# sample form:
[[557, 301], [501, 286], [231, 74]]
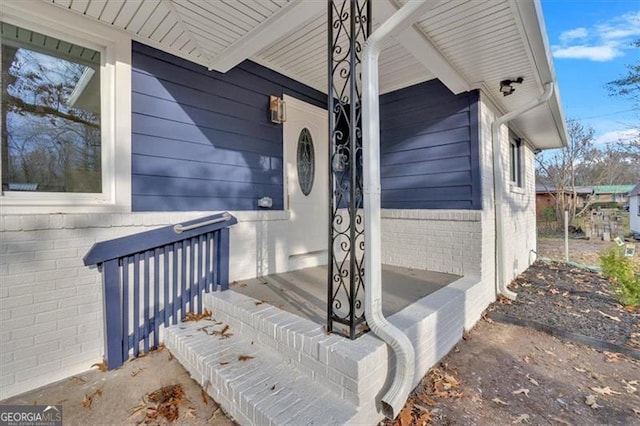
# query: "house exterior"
[[634, 210], [178, 126], [545, 197], [618, 194]]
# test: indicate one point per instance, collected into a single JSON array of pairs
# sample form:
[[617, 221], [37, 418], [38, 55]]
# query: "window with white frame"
[[51, 126], [515, 161], [66, 112]]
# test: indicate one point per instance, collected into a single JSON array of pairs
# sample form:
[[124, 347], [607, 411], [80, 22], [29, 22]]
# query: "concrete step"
[[355, 370], [264, 388]]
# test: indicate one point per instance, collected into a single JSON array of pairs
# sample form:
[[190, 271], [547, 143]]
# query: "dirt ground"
[[116, 397], [503, 374], [580, 251]]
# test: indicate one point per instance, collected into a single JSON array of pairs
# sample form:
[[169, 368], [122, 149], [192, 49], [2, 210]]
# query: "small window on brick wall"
[[515, 161]]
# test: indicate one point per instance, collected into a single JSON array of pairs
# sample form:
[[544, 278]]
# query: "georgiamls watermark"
[[30, 415]]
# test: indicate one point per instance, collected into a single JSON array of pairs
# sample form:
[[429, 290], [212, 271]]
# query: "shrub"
[[624, 274]]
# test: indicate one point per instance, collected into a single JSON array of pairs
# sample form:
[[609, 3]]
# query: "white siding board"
[[129, 9], [180, 41], [244, 9], [142, 14], [63, 3], [265, 7], [164, 28], [220, 12], [482, 35], [173, 35], [207, 40], [155, 19], [110, 11], [209, 22], [482, 26], [231, 12], [254, 10], [79, 5], [95, 8]]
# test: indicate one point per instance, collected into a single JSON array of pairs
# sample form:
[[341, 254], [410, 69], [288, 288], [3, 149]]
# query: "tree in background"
[[560, 169], [628, 86]]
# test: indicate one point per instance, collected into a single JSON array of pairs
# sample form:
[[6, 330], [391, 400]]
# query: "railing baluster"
[[165, 306], [174, 295], [125, 307], [201, 251], [183, 295], [113, 313], [222, 261], [193, 276], [136, 304], [147, 302], [208, 253], [156, 297], [216, 249]]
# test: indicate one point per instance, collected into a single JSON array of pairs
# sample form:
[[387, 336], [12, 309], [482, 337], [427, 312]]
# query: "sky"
[[591, 42]]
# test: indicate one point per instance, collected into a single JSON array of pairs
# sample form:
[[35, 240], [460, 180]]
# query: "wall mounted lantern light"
[[277, 110], [506, 86]]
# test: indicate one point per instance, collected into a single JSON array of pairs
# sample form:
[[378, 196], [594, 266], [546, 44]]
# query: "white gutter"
[[498, 186], [397, 394]]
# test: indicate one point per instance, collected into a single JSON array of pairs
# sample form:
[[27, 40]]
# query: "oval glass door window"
[[306, 161]]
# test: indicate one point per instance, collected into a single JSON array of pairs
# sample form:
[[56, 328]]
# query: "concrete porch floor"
[[304, 292]]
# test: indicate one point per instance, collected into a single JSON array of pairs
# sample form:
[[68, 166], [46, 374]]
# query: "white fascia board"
[[419, 45], [529, 13], [291, 17]]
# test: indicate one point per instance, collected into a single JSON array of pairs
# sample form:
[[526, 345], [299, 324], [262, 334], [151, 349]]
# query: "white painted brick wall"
[[51, 304]]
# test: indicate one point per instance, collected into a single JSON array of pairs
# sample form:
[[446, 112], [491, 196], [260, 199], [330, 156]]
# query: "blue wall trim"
[[430, 154], [202, 140]]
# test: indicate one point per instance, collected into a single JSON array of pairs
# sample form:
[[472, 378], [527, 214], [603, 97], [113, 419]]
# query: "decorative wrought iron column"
[[349, 25]]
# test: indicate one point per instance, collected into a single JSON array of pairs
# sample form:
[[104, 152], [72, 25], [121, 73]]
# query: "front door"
[[306, 197]]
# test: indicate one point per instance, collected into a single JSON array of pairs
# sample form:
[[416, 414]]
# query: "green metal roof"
[[612, 189]]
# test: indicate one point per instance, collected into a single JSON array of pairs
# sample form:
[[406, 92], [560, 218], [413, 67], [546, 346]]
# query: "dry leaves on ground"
[[590, 400], [88, 399], [521, 391], [499, 401], [192, 316], [605, 391], [164, 403], [102, 366], [245, 358]]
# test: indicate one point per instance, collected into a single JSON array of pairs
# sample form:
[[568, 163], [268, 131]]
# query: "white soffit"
[[465, 43]]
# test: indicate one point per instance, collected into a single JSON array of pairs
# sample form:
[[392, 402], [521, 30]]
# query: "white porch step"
[[264, 390]]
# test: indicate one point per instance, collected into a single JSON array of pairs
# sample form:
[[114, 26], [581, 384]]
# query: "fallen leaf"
[[405, 416], [521, 391], [86, 402], [88, 399], [527, 359], [102, 366], [564, 422], [170, 356], [224, 362], [486, 318], [205, 397], [590, 400], [260, 302], [533, 381], [188, 413], [613, 356], [273, 387], [213, 414], [77, 380], [580, 370], [635, 410], [522, 418], [499, 401], [611, 317], [605, 391], [191, 316], [629, 386], [245, 357], [134, 373], [554, 291]]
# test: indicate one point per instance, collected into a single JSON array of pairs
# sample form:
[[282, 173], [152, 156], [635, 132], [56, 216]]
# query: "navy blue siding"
[[429, 148], [202, 140]]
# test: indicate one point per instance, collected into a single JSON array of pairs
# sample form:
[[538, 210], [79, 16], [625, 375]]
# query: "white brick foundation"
[[51, 324]]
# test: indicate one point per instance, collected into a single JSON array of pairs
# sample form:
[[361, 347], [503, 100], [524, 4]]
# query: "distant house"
[[546, 196], [612, 193], [634, 209]]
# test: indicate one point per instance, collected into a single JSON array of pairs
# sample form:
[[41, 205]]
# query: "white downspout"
[[498, 186], [398, 392]]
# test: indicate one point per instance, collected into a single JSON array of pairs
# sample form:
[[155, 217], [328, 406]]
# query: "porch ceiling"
[[464, 43]]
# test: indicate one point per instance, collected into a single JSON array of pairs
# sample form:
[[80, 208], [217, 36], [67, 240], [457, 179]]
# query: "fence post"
[[222, 260], [112, 313], [566, 236]]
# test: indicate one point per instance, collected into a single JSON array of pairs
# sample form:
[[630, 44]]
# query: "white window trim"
[[115, 48], [517, 185]]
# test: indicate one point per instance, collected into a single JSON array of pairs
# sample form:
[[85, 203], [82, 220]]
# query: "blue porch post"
[[222, 259], [112, 313]]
